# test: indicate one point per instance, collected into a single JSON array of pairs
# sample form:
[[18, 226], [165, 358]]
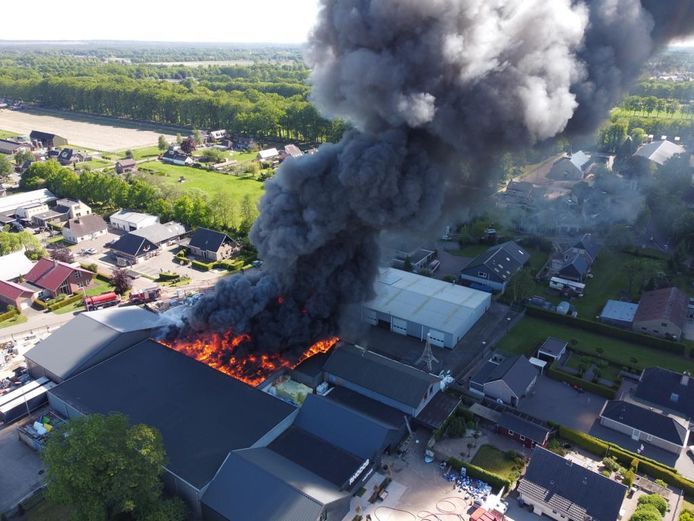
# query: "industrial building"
[[88, 339], [422, 307]]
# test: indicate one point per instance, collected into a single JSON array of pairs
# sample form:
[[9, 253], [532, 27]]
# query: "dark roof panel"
[[134, 245], [667, 389], [663, 304], [549, 478], [645, 420], [530, 430], [208, 240], [201, 413]]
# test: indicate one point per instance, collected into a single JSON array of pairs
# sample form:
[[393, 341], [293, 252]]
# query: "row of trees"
[[107, 191], [681, 91], [653, 104]]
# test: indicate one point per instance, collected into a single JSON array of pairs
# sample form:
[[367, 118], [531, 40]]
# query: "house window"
[[510, 432], [521, 437], [482, 275]]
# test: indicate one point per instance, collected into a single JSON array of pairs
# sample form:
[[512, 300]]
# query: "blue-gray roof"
[[619, 311], [667, 389], [645, 420], [516, 371], [261, 484], [531, 430]]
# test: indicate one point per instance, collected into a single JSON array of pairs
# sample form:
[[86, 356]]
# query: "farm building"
[[47, 140], [129, 221], [494, 268], [126, 165], [84, 228], [13, 147], [88, 339], [565, 491], [619, 313], [659, 152], [422, 307], [201, 413], [648, 426], [662, 312]]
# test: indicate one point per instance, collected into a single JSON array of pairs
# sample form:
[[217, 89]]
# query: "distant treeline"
[[264, 100]]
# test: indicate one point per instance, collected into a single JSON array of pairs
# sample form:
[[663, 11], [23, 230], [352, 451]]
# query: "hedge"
[[9, 314], [473, 471], [607, 330], [64, 302], [167, 276], [600, 390], [202, 266], [652, 468]]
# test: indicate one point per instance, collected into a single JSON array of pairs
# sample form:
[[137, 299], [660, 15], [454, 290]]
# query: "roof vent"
[[674, 397], [685, 379]]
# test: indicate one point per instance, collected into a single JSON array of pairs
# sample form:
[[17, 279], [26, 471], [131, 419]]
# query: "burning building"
[[432, 91]]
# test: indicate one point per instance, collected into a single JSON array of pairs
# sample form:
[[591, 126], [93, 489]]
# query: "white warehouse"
[[414, 305]]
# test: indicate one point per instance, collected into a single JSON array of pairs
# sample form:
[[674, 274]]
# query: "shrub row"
[[64, 302], [167, 276], [9, 314], [600, 390], [202, 266], [614, 332], [473, 471], [652, 468]]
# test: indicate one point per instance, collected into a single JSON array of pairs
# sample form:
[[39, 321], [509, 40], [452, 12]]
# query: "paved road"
[[38, 322]]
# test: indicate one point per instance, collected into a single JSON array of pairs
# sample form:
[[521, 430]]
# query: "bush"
[[604, 329], [475, 472], [62, 302], [166, 276], [10, 313], [628, 477], [646, 513], [91, 267], [611, 464], [202, 266], [599, 389], [659, 502]]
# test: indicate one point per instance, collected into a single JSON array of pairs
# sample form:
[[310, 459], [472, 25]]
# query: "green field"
[[493, 460], [4, 134], [202, 181], [621, 112], [141, 153], [93, 164], [530, 332]]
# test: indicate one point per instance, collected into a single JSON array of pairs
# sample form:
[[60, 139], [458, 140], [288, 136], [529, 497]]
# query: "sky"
[[271, 21]]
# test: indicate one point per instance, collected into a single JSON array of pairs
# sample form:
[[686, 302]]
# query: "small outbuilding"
[[552, 349], [529, 434], [619, 313]]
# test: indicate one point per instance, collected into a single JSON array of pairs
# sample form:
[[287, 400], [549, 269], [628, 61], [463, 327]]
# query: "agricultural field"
[[202, 181], [530, 332], [93, 133]]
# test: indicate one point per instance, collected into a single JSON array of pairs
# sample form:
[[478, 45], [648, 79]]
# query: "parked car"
[[690, 452], [90, 251]]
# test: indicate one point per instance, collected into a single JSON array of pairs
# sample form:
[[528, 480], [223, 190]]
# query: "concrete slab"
[[21, 471]]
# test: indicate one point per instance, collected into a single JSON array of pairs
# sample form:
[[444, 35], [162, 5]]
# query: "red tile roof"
[[663, 304], [13, 291], [50, 274]]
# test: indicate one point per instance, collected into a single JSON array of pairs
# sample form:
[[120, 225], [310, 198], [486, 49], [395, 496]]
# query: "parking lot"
[[555, 401], [21, 471]]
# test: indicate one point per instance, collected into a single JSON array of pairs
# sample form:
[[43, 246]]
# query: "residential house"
[[505, 381], [55, 277], [174, 157], [290, 151], [646, 425], [162, 235], [528, 433], [212, 245], [552, 349], [667, 390], [46, 139], [126, 165], [129, 221], [662, 312], [493, 269], [131, 249], [84, 228], [418, 259], [619, 313], [72, 209], [18, 295], [14, 265], [566, 491], [575, 262], [659, 152], [268, 155], [68, 156], [13, 147], [570, 168]]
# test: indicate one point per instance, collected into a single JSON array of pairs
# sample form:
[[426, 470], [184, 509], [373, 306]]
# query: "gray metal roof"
[[619, 311], [666, 389], [553, 346], [84, 338], [261, 484], [379, 374], [645, 420], [341, 426], [380, 412], [502, 261], [202, 414], [160, 233], [659, 151], [569, 488], [517, 372]]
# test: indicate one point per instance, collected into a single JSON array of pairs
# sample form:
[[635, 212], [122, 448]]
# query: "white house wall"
[[643, 436]]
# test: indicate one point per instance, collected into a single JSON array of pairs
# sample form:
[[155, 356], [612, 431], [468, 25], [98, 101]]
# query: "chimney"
[[685, 379]]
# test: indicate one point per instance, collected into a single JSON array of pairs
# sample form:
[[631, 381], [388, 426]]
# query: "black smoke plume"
[[433, 91]]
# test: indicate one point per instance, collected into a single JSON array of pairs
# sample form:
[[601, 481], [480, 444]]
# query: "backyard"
[[530, 332], [505, 464], [203, 181]]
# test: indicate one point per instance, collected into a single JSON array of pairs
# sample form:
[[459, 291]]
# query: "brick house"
[[55, 277]]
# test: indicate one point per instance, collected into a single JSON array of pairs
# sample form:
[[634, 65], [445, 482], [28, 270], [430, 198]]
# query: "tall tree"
[[104, 469], [121, 281], [6, 168], [162, 144]]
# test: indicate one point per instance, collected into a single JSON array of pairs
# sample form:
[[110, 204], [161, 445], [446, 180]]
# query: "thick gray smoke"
[[427, 86]]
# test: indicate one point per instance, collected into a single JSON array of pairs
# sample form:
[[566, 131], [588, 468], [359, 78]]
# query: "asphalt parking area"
[[21, 470]]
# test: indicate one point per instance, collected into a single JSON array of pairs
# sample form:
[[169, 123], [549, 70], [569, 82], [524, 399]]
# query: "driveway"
[[21, 470], [555, 401], [451, 264]]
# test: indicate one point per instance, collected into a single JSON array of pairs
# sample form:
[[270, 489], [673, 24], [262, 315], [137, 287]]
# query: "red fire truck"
[[104, 300], [144, 296]]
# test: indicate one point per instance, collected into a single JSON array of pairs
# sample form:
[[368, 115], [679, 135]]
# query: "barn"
[[418, 306]]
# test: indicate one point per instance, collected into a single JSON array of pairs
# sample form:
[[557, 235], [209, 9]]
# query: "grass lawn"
[[98, 288], [18, 319], [493, 460], [530, 332], [208, 183], [610, 372], [141, 153], [470, 250], [93, 164], [4, 134]]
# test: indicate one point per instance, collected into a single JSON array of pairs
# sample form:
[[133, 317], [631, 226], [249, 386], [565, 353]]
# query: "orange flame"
[[218, 350]]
